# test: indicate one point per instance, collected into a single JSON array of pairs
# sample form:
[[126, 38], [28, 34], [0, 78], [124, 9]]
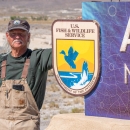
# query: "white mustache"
[[17, 41]]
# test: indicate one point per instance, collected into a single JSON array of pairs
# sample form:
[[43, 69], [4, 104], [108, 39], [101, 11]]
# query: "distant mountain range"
[[45, 5], [51, 8], [40, 4], [23, 7]]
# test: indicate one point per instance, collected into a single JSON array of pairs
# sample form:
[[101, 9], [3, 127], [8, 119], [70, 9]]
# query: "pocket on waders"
[[5, 97], [19, 99]]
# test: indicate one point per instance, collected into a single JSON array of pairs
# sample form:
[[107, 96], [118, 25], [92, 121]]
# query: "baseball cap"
[[18, 24]]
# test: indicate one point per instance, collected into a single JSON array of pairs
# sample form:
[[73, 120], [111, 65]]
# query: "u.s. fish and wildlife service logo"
[[76, 60]]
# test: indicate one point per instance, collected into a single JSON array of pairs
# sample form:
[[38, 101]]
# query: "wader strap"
[[3, 69], [25, 69]]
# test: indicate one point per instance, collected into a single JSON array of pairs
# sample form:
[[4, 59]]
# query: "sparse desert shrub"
[[33, 18], [54, 88], [50, 72], [63, 111], [68, 104], [78, 100], [44, 106], [45, 18], [25, 18], [13, 17], [40, 18], [49, 80], [53, 104], [45, 118], [66, 95], [17, 17], [77, 110]]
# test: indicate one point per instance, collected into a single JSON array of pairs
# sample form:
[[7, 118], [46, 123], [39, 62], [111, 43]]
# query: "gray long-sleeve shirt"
[[40, 63]]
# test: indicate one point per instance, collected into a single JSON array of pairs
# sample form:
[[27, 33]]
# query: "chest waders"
[[18, 109]]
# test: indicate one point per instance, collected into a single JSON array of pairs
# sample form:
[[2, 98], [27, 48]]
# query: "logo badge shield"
[[76, 55]]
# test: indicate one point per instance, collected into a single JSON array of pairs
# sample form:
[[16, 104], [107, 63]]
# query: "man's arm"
[[42, 58]]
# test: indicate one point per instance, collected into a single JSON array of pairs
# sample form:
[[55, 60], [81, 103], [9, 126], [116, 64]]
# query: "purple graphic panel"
[[111, 95]]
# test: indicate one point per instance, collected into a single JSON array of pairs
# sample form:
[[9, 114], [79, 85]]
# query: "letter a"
[[126, 39]]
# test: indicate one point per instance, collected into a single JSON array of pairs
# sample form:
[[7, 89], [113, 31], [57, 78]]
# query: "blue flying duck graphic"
[[72, 55]]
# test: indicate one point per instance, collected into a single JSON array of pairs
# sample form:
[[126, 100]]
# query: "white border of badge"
[[85, 30]]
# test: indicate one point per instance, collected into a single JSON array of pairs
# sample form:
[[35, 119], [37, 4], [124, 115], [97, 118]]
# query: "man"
[[23, 80]]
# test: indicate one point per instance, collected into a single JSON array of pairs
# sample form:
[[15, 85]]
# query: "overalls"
[[18, 109]]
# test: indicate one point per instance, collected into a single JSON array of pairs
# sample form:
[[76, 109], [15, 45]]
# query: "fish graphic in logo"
[[85, 77], [76, 62]]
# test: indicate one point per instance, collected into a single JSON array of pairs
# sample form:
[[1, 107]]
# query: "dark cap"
[[18, 24]]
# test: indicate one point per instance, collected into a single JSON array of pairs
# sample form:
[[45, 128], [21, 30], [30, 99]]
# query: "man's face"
[[18, 38]]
